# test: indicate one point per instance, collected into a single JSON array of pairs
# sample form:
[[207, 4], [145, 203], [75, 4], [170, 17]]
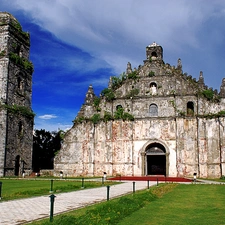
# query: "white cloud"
[[47, 116], [116, 31]]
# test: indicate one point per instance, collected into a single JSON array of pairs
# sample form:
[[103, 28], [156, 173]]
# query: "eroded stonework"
[[16, 116], [153, 120]]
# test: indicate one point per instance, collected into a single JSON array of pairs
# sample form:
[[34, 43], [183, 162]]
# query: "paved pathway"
[[29, 209]]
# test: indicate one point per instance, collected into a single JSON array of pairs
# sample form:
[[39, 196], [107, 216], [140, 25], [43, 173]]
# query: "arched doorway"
[[155, 159]]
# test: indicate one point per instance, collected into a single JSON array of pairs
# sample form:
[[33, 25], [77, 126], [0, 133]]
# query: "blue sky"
[[75, 43]]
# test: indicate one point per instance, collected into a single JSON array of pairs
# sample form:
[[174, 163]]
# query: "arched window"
[[153, 84], [154, 54], [190, 109], [19, 83], [20, 126], [153, 110]]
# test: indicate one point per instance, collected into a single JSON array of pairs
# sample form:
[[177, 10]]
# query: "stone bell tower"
[[154, 52], [16, 115]]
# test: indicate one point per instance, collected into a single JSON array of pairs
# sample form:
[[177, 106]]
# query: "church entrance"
[[155, 159]]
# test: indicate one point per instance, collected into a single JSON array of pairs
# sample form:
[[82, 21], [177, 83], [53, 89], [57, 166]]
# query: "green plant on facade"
[[179, 112], [21, 61], [151, 74], [95, 118], [118, 81], [213, 115], [107, 116], [128, 116], [96, 103], [79, 120], [2, 53], [133, 92], [208, 94], [133, 75], [108, 94], [18, 27], [221, 113], [21, 110], [120, 114]]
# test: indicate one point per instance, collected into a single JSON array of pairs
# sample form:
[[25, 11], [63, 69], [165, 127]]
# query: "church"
[[151, 120]]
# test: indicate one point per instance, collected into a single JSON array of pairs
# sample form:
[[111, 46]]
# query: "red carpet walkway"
[[151, 178]]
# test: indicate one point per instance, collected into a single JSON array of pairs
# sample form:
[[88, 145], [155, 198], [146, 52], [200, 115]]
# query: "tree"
[[45, 145]]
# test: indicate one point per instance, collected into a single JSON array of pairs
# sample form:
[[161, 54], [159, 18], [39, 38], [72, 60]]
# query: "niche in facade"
[[190, 109], [153, 88]]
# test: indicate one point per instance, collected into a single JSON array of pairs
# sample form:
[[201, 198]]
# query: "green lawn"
[[186, 204], [23, 188], [166, 204]]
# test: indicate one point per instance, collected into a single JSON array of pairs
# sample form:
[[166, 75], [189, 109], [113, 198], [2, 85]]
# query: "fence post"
[[108, 187], [133, 187], [148, 184], [52, 198], [82, 183]]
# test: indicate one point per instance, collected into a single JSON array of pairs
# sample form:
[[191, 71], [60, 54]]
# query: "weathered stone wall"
[[116, 147], [16, 117]]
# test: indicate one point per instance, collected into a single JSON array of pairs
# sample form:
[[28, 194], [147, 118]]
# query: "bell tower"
[[16, 115], [154, 52]]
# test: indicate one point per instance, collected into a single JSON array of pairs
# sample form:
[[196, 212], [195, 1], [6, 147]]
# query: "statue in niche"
[[153, 89]]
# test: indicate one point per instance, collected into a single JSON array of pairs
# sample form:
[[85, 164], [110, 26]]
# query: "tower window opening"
[[20, 126], [19, 83], [190, 109], [154, 54]]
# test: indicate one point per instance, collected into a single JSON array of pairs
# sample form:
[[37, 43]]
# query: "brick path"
[[29, 209]]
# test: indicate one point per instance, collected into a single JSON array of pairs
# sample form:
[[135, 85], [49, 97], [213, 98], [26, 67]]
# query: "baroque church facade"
[[16, 115], [152, 120]]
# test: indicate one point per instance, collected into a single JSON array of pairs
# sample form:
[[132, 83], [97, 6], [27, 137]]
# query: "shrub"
[[208, 94], [95, 118], [107, 116], [108, 94], [151, 74]]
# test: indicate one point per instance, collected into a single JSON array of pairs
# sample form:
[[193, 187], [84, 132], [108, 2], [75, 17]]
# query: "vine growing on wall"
[[109, 94], [107, 116], [180, 113], [120, 114], [133, 92], [21, 61], [95, 118], [151, 74], [96, 103], [21, 110], [213, 115], [209, 95], [18, 27]]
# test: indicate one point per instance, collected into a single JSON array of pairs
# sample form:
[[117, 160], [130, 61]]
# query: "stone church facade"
[[152, 120], [16, 116]]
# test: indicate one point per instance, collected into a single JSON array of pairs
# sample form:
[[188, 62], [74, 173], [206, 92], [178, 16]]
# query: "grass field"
[[23, 188], [166, 204]]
